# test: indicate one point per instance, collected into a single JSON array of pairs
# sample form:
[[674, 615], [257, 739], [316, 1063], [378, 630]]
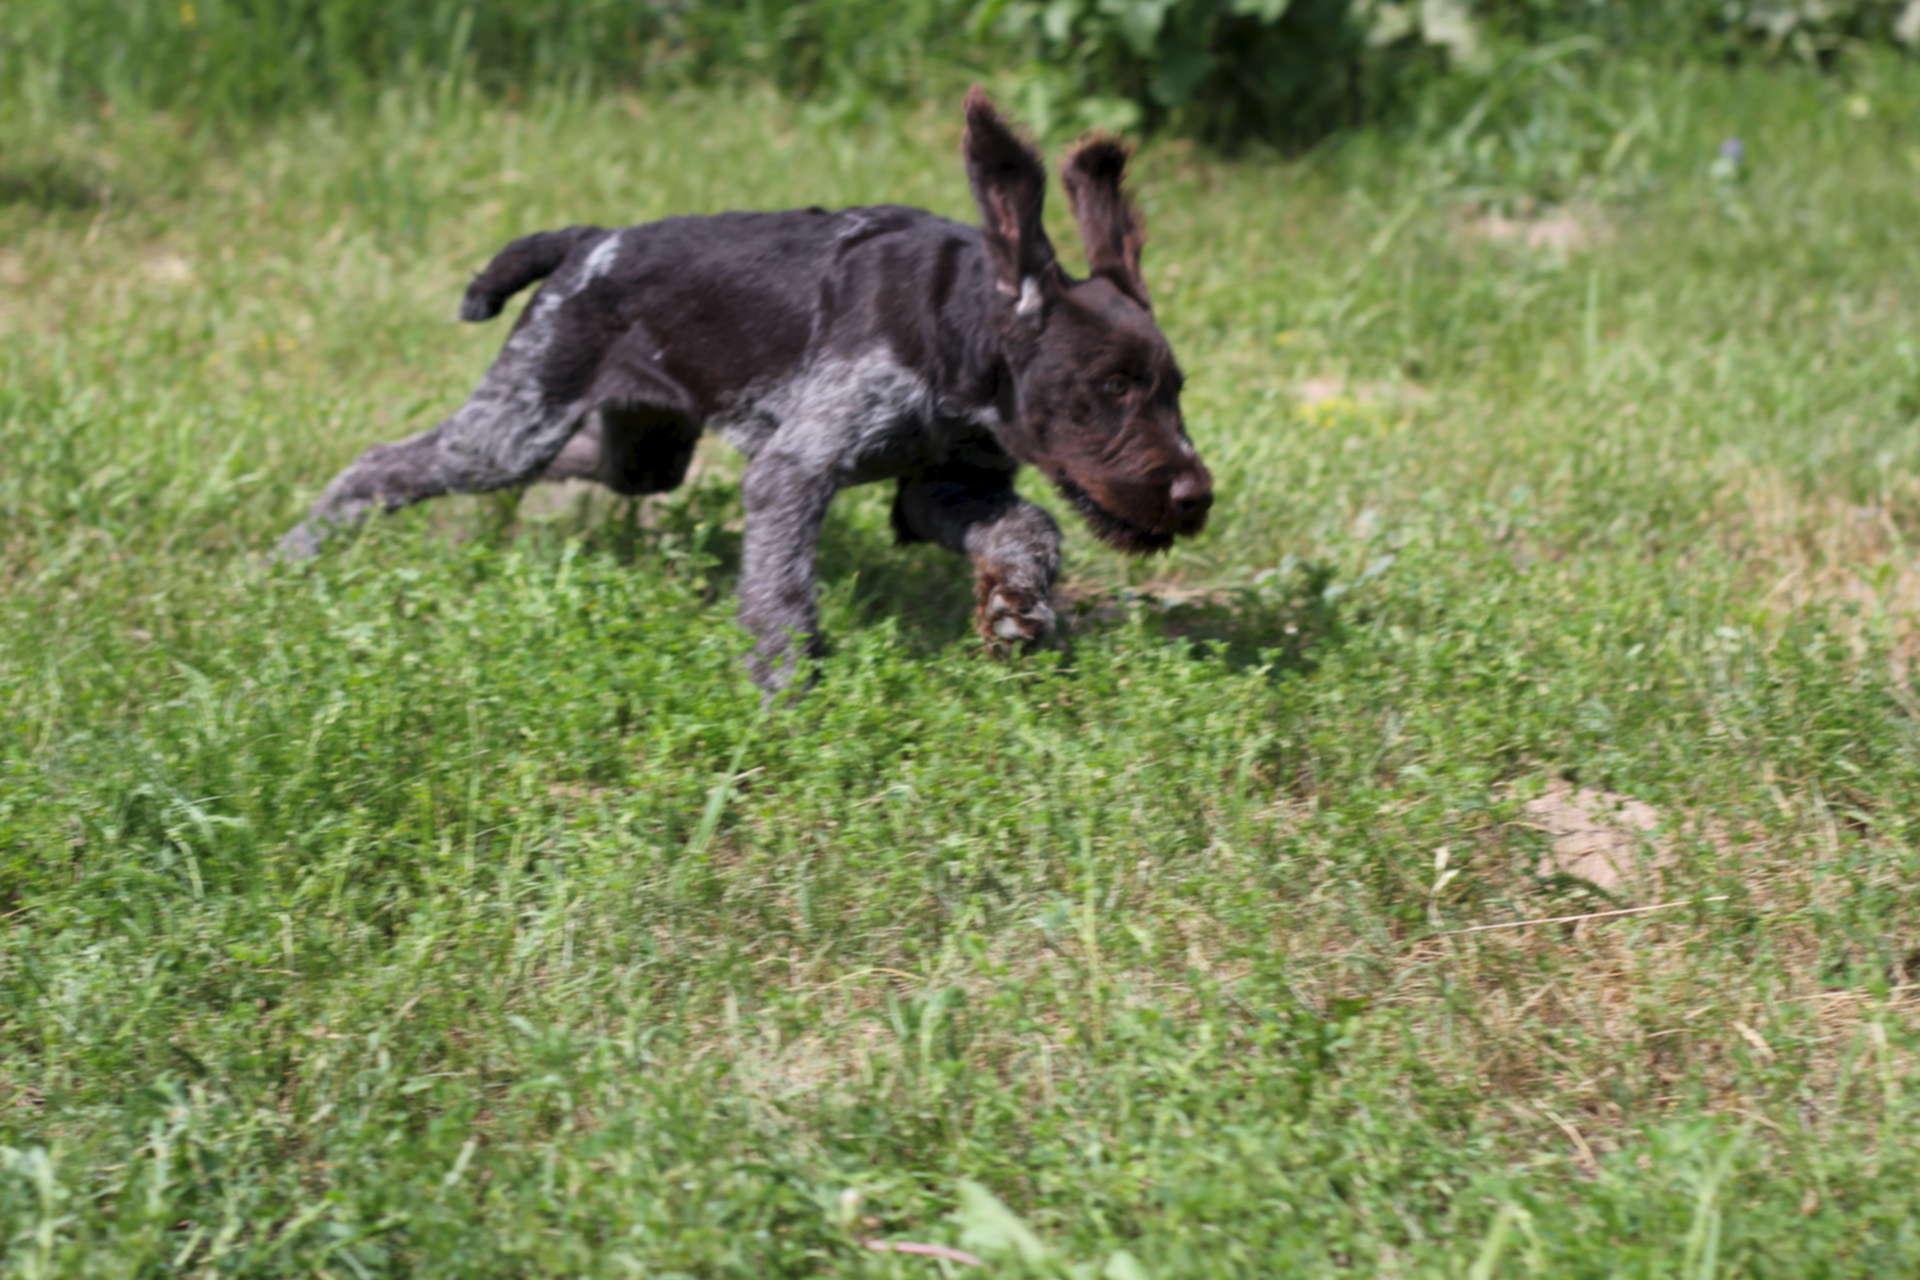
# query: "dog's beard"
[[1121, 534]]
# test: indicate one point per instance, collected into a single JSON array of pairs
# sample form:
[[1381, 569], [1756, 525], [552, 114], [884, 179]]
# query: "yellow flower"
[[188, 15]]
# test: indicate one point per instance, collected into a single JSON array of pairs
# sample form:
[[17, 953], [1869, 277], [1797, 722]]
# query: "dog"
[[836, 348]]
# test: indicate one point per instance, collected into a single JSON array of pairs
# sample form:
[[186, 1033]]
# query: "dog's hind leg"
[[525, 409], [505, 434], [1014, 546]]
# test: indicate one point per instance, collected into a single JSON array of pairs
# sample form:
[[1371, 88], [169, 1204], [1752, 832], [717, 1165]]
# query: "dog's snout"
[[1191, 495]]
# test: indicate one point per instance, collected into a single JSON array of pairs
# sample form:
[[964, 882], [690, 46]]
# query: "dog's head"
[[1096, 390]]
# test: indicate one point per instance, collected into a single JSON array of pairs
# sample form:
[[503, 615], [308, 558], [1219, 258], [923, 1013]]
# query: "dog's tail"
[[518, 265]]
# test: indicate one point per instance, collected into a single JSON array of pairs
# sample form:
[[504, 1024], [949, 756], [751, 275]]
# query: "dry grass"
[[1811, 548]]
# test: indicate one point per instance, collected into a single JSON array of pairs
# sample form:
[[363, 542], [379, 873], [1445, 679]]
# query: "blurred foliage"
[[1804, 30], [1282, 71]]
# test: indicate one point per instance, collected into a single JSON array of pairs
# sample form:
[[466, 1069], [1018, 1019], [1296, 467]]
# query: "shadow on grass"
[[926, 590], [49, 186], [692, 534], [1284, 622]]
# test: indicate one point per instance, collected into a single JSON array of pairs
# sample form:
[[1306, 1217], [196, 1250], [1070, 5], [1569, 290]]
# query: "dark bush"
[[1223, 70]]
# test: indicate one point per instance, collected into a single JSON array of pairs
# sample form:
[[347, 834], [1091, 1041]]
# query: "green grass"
[[448, 907], [233, 60]]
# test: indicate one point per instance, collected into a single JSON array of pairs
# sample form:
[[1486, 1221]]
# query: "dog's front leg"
[[1014, 546], [786, 501]]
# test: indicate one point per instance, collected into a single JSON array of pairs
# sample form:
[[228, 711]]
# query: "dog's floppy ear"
[[1109, 224], [1010, 184]]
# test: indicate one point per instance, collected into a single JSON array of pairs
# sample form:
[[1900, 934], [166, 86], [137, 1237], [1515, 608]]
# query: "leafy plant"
[[1805, 30], [1289, 71]]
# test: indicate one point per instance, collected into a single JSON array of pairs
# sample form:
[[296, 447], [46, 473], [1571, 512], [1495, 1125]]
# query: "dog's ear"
[[1109, 224], [1009, 184]]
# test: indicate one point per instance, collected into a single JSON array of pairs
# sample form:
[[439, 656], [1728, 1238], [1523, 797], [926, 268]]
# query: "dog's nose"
[[1191, 495]]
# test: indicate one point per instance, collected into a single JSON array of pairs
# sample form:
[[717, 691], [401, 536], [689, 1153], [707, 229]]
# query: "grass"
[[448, 907]]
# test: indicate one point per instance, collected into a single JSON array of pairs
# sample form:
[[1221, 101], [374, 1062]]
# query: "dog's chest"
[[860, 418]]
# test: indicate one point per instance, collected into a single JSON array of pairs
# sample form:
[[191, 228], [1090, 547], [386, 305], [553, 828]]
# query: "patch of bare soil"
[[14, 299], [1609, 840], [1332, 388], [1561, 229], [562, 497], [167, 268]]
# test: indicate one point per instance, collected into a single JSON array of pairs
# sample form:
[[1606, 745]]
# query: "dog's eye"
[[1115, 385]]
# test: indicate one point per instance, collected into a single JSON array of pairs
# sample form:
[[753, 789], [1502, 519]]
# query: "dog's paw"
[[1009, 618]]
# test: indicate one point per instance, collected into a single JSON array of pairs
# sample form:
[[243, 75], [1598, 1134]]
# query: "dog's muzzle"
[[1189, 499], [1142, 517]]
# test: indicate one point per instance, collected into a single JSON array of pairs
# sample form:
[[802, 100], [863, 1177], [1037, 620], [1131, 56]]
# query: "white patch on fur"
[[507, 421], [984, 416], [1010, 623], [1029, 303], [600, 258], [537, 328]]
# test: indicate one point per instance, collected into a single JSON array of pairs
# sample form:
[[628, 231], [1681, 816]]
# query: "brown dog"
[[834, 349]]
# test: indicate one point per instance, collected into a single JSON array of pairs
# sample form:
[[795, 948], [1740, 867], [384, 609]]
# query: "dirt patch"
[[567, 497], [1607, 839], [1331, 389], [167, 268], [14, 298], [1561, 229], [809, 1065]]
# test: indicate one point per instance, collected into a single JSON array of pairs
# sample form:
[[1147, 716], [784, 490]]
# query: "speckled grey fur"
[[842, 421]]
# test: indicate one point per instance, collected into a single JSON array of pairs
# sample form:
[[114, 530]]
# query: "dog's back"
[[712, 303]]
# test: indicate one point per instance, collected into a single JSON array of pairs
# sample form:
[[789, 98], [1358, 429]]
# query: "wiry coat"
[[834, 349]]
